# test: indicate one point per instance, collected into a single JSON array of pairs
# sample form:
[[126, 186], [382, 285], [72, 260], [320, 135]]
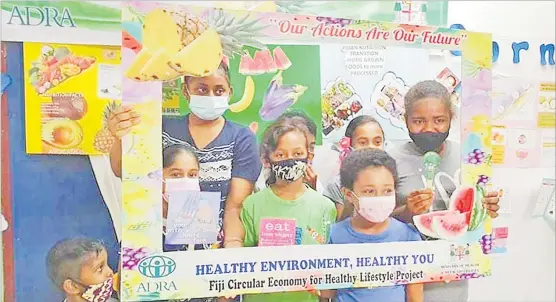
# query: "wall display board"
[[70, 91], [265, 51]]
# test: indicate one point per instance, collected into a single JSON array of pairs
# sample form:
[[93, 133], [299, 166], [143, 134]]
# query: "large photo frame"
[[152, 55]]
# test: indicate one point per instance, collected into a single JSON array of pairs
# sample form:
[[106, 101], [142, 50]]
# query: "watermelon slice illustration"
[[246, 65], [264, 62], [424, 222], [468, 200], [451, 226], [281, 59], [128, 41]]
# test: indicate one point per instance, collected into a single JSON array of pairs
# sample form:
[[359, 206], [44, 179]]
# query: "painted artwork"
[[276, 65], [64, 113]]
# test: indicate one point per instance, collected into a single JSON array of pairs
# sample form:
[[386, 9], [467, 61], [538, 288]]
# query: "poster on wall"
[[523, 123], [99, 22], [252, 71], [70, 91]]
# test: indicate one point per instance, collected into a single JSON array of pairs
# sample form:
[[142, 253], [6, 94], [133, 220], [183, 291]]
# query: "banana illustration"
[[247, 98]]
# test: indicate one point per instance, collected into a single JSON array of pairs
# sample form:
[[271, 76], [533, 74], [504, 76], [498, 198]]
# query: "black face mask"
[[289, 170], [429, 141]]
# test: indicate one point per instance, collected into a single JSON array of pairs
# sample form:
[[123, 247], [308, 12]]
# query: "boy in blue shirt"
[[368, 179]]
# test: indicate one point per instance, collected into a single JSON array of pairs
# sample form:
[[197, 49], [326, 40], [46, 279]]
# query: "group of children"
[[355, 207]]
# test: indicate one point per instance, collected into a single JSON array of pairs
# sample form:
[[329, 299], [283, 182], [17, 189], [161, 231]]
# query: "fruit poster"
[[279, 62], [70, 91]]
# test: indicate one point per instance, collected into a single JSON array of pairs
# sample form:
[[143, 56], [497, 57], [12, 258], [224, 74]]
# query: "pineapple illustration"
[[194, 45], [104, 139]]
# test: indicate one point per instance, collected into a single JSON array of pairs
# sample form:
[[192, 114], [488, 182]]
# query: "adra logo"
[[37, 16]]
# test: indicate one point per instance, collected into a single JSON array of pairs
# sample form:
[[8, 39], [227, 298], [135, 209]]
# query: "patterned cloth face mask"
[[289, 170], [99, 292]]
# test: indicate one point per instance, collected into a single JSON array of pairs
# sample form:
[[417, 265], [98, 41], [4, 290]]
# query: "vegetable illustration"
[[279, 97], [247, 98]]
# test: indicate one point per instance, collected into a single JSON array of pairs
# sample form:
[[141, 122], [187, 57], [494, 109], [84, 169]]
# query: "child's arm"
[[414, 292], [327, 294], [248, 223]]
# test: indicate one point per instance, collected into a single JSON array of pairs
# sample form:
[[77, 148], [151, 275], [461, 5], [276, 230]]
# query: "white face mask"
[[208, 108], [376, 209], [182, 184]]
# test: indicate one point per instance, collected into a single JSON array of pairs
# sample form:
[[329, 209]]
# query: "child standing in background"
[[368, 178], [180, 172], [303, 216], [79, 268], [362, 132]]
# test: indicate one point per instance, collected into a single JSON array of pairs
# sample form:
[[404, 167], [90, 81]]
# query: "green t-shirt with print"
[[272, 221]]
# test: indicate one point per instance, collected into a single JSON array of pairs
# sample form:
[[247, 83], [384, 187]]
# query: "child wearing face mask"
[[362, 132], [297, 213], [180, 173], [368, 178], [304, 121], [79, 268]]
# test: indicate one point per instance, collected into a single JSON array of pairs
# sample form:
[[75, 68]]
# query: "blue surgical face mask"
[[208, 108]]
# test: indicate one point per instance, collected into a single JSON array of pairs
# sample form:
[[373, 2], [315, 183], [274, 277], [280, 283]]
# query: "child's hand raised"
[[311, 177], [419, 202]]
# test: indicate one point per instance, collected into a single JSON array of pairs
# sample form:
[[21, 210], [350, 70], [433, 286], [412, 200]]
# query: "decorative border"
[[184, 274]]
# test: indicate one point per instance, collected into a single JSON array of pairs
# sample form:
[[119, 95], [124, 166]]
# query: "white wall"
[[526, 272]]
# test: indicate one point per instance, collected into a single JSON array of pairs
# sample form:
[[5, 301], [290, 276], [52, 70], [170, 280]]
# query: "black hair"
[[309, 123], [360, 121], [426, 89], [360, 160], [169, 154], [65, 259], [272, 135], [222, 68]]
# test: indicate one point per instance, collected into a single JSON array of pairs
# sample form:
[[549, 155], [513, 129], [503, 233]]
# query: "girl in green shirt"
[[287, 212]]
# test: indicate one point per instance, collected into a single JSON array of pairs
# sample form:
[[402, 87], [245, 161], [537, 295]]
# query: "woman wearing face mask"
[[287, 212], [227, 152], [428, 117]]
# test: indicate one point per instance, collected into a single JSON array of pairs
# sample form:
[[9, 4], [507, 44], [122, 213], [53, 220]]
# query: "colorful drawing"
[[388, 99], [264, 62], [64, 113], [448, 79], [56, 65], [340, 104], [247, 98], [279, 97], [465, 213]]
